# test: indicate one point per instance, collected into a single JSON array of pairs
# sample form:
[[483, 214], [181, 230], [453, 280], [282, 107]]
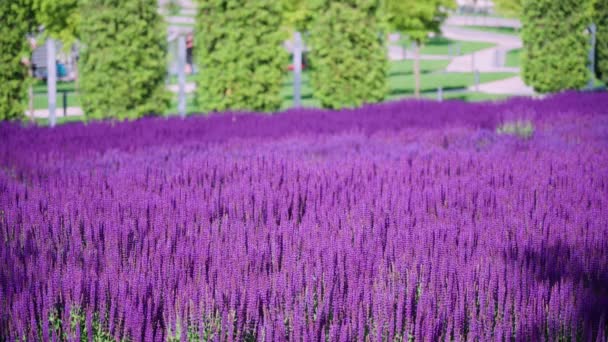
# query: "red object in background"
[[189, 41], [291, 67]]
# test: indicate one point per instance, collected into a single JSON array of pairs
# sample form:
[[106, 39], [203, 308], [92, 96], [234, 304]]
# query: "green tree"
[[240, 54], [511, 8], [348, 53], [556, 44], [600, 15], [297, 14], [16, 18], [60, 19], [123, 59], [416, 19]]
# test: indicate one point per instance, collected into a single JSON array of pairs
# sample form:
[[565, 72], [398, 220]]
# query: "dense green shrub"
[[240, 55], [601, 22], [124, 59], [348, 54], [60, 19], [556, 44], [15, 24]]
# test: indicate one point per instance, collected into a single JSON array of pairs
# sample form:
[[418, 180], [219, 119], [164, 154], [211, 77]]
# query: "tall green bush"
[[60, 18], [348, 53], [601, 21], [123, 59], [239, 49], [556, 44], [15, 24], [512, 8]]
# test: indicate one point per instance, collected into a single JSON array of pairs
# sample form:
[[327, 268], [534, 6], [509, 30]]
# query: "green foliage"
[[556, 44], [240, 55], [521, 128], [417, 18], [173, 7], [600, 9], [297, 14], [511, 8], [77, 320], [348, 54], [60, 18], [123, 60], [15, 19]]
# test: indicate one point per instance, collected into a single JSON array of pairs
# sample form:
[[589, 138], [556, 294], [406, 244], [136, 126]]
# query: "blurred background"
[[67, 60]]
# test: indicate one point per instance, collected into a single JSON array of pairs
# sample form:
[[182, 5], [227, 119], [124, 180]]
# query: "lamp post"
[[297, 69], [51, 79]]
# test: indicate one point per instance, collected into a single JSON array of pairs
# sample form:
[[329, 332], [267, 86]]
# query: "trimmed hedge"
[[556, 44], [348, 56], [16, 22], [240, 55], [124, 60], [601, 47]]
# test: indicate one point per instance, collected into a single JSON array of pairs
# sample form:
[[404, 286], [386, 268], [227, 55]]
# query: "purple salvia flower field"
[[402, 221]]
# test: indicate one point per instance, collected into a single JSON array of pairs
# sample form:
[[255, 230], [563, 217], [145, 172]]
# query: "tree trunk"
[[417, 69]]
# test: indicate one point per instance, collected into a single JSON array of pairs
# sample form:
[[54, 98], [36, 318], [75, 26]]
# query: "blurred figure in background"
[[189, 46]]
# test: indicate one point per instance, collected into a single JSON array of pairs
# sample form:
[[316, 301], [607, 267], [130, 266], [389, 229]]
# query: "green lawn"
[[41, 100], [469, 97], [402, 86], [493, 29], [407, 67], [40, 87], [513, 58], [60, 120], [441, 46]]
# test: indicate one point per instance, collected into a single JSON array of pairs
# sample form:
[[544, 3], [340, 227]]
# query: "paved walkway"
[[472, 35], [190, 87], [179, 21], [509, 86], [44, 113], [182, 22], [188, 4], [479, 20], [488, 60]]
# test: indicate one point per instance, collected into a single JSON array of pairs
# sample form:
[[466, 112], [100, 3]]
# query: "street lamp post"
[[593, 32], [51, 79], [297, 69], [181, 75]]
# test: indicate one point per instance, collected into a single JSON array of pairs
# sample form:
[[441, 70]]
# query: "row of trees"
[[123, 53], [240, 54], [123, 57]]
